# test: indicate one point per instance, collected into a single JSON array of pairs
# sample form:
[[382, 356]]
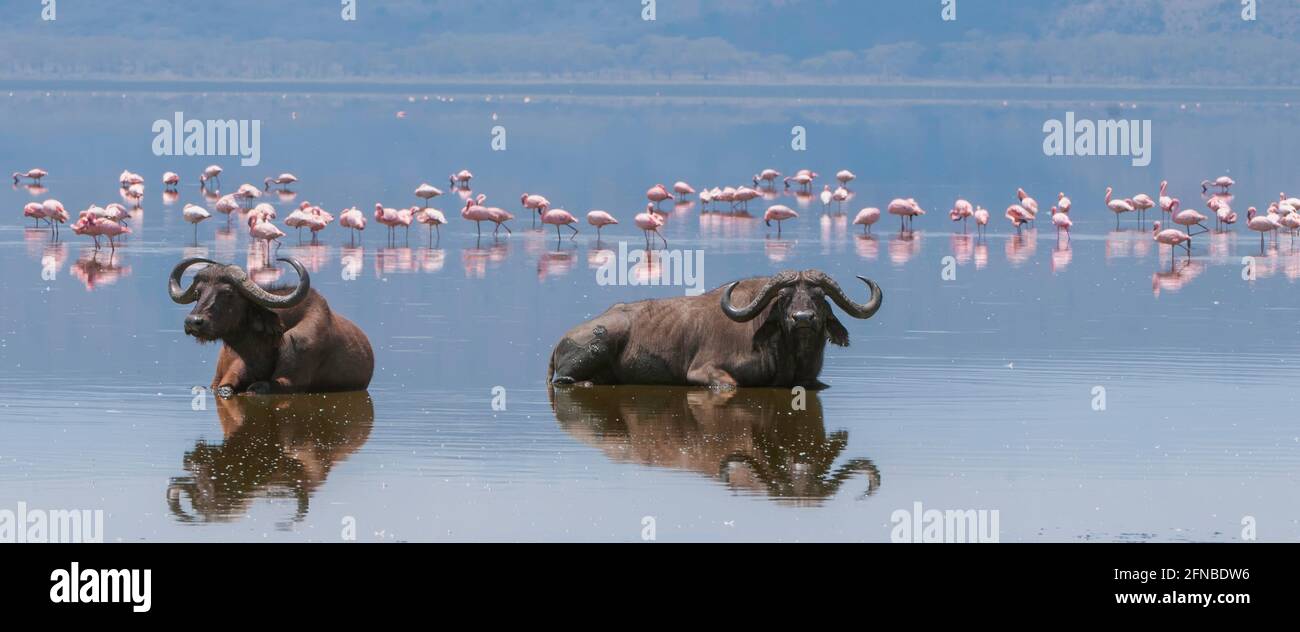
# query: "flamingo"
[[1029, 204], [1291, 222], [1142, 202], [1018, 216], [135, 193], [559, 217], [961, 210], [1166, 202], [113, 211], [1118, 206], [826, 197], [34, 175], [682, 189], [1223, 213], [427, 192], [1062, 222], [768, 176], [461, 179], [227, 205], [845, 177], [706, 196], [905, 209], [300, 217], [54, 214], [981, 219], [1223, 182], [499, 217], [600, 219], [1259, 224], [195, 214], [1063, 203], [110, 229], [171, 179], [778, 213], [1188, 218], [1171, 237], [474, 211], [742, 196], [353, 220], [650, 222], [284, 180], [536, 204], [388, 217], [866, 217], [405, 216], [803, 178], [260, 228], [657, 194], [433, 218], [35, 211], [841, 195], [211, 172]]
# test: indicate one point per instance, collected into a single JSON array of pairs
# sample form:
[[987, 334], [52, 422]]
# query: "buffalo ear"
[[835, 331]]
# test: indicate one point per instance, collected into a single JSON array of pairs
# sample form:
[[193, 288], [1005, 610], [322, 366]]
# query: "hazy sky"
[[1087, 41]]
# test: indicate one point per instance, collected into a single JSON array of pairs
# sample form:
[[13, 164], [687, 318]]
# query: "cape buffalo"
[[774, 338], [277, 340]]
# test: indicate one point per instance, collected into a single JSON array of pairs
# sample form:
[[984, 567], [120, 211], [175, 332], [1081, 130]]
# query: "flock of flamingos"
[[112, 221]]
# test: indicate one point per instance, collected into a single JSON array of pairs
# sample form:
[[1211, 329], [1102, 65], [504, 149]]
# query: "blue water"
[[973, 392]]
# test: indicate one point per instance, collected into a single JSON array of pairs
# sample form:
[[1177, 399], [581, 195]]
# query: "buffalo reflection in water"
[[275, 447], [750, 439]]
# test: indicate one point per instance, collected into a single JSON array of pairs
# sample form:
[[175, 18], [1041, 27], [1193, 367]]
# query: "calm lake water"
[[975, 392]]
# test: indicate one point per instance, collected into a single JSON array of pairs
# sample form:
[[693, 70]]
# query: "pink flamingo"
[[1171, 237], [211, 172], [961, 211], [866, 217], [1188, 218], [35, 211], [657, 194], [434, 219], [34, 175], [499, 217], [54, 214], [1259, 224], [284, 180], [845, 177], [981, 219], [461, 179], [474, 211], [1029, 204], [742, 196], [906, 210], [300, 217], [650, 222], [1063, 203], [1223, 182], [1142, 202], [1062, 222], [535, 204], [778, 213], [600, 219], [260, 228], [826, 197], [195, 214], [768, 177], [388, 217], [558, 217], [1223, 213], [1018, 216], [405, 217], [427, 192], [171, 179], [227, 205], [353, 220], [1117, 206], [1166, 202], [803, 178], [682, 189]]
